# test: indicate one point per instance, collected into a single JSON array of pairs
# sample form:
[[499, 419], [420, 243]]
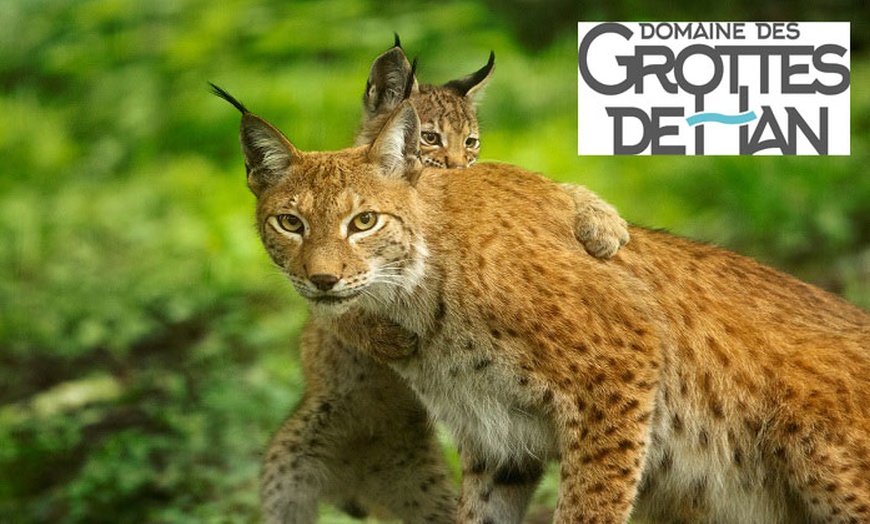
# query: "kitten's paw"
[[392, 341], [376, 337], [597, 224], [602, 232]]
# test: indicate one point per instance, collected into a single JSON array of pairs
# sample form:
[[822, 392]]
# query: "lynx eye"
[[430, 138], [363, 221], [290, 223], [472, 142]]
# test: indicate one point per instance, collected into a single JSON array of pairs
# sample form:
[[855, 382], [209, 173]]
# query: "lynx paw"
[[393, 341], [378, 338], [597, 224]]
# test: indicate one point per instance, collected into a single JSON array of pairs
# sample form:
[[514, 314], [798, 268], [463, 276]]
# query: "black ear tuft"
[[398, 42], [217, 91], [411, 80], [268, 153], [469, 85]]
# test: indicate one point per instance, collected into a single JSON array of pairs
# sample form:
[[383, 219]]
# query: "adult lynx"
[[677, 381], [360, 438]]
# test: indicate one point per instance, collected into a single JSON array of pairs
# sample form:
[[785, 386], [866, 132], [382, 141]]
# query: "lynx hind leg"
[[597, 224], [408, 479], [496, 494], [359, 439]]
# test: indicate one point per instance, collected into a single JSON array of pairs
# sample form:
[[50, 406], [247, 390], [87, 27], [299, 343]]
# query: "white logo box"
[[713, 88]]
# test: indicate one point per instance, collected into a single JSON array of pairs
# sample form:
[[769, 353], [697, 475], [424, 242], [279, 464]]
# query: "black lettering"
[[660, 71], [764, 30], [818, 141], [778, 30], [647, 30], [756, 144], [583, 56], [827, 67], [618, 114], [659, 132], [788, 69], [698, 90], [684, 31]]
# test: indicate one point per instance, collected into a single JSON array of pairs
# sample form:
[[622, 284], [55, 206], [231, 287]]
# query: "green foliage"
[[147, 348]]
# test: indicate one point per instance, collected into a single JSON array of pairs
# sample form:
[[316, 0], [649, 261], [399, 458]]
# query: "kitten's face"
[[449, 133]]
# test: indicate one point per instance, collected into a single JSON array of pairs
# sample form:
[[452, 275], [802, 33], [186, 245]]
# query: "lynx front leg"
[[295, 468], [372, 452], [360, 439], [496, 495], [597, 224], [604, 442]]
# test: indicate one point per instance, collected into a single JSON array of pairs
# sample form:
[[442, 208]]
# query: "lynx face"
[[340, 239], [449, 132], [352, 252]]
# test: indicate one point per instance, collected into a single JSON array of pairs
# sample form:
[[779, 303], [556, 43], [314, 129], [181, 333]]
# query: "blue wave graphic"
[[719, 118]]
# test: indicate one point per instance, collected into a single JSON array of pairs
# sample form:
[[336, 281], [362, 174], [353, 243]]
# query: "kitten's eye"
[[472, 143], [290, 223], [363, 222], [430, 138]]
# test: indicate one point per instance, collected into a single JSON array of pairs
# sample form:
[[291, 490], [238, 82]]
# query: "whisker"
[[379, 300]]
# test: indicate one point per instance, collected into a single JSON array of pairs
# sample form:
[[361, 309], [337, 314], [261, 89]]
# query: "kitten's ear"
[[390, 79], [268, 153], [397, 148], [473, 84]]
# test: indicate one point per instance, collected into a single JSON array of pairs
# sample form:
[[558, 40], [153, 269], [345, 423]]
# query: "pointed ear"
[[473, 84], [390, 79], [397, 148], [268, 154]]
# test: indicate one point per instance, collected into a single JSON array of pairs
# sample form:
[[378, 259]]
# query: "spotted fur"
[[449, 131], [318, 456], [677, 381]]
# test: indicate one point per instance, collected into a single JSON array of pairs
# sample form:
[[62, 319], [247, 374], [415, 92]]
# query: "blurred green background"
[[148, 348]]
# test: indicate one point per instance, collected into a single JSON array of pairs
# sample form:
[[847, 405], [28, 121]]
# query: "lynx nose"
[[455, 161], [323, 282]]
